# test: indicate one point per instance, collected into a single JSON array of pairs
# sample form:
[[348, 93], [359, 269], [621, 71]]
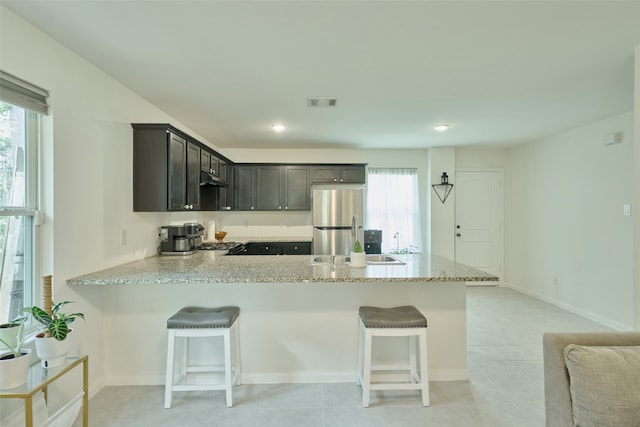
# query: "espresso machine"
[[180, 239]]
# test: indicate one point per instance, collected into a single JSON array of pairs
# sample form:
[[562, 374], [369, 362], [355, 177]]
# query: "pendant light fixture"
[[444, 188]]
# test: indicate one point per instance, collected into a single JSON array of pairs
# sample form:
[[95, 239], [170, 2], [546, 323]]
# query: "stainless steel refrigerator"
[[337, 220]]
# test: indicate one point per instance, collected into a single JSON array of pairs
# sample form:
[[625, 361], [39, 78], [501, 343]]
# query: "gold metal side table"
[[39, 378]]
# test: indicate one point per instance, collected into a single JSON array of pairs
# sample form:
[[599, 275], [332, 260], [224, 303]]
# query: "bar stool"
[[198, 322], [406, 321]]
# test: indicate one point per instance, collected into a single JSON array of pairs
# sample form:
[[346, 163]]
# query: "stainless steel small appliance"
[[373, 241], [180, 239]]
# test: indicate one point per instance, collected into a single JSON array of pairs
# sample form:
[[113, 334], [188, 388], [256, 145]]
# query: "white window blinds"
[[393, 207], [18, 92]]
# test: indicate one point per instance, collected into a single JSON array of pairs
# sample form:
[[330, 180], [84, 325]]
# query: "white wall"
[[566, 238], [441, 216], [487, 158], [636, 198]]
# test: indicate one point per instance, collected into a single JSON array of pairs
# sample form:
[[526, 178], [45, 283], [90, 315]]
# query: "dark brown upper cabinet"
[[338, 174], [244, 186], [296, 188], [166, 170], [210, 163], [225, 194], [174, 172], [269, 187]]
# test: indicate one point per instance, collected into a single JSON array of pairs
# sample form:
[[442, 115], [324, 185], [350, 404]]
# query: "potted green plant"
[[52, 345], [14, 360], [357, 256]]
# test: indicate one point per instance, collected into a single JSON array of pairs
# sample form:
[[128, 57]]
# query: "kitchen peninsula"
[[298, 318]]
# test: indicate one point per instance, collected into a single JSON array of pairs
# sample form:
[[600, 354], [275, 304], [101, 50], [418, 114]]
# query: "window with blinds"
[[21, 108]]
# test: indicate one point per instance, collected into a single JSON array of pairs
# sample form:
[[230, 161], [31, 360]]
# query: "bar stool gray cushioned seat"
[[203, 317], [406, 316], [203, 322], [405, 321]]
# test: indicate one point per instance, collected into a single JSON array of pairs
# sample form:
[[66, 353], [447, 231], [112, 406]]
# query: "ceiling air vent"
[[322, 102]]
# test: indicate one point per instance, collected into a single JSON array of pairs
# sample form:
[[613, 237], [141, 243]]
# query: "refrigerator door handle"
[[345, 227]]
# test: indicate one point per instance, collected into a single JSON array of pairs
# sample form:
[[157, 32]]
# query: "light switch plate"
[[626, 209]]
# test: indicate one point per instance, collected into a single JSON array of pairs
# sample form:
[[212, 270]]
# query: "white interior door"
[[479, 220]]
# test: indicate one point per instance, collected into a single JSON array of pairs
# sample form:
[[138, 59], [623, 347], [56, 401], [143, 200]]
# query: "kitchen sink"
[[330, 259], [382, 259], [344, 259]]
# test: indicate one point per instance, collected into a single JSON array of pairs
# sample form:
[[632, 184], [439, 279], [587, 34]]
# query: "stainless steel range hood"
[[209, 180]]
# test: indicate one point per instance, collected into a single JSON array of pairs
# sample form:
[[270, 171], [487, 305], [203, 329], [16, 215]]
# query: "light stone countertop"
[[215, 267]]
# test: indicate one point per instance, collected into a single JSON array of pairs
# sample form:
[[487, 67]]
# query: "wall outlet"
[[123, 237], [626, 210], [613, 138]]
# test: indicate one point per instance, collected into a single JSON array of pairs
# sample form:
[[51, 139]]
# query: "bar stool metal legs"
[[199, 322], [393, 322]]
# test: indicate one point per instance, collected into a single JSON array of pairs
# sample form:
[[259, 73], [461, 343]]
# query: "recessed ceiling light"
[[441, 127], [278, 127]]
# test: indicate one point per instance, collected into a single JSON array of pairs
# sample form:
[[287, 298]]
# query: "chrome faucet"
[[354, 227]]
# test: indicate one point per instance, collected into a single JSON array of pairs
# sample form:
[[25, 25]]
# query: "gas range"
[[217, 246]]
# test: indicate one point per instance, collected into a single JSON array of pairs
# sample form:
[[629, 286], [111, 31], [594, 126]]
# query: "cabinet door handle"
[[458, 235]]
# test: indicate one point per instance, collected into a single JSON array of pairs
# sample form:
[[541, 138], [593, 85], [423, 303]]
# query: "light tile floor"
[[505, 388]]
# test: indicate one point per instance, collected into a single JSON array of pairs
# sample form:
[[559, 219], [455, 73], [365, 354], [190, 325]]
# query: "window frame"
[[32, 144]]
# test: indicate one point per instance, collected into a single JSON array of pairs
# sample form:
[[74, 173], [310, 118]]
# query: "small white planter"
[[51, 352], [14, 371], [358, 259]]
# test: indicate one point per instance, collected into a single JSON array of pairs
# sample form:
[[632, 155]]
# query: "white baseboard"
[[135, 380], [448, 375], [575, 310], [96, 386], [286, 378]]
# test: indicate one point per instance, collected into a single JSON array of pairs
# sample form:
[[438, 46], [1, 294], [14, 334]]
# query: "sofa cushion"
[[604, 384]]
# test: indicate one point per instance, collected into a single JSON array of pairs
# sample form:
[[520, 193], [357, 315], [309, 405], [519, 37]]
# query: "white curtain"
[[393, 207]]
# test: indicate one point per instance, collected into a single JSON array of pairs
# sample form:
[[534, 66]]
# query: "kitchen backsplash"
[[260, 224]]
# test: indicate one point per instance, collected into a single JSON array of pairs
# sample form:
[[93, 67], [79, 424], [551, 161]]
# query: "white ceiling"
[[500, 73]]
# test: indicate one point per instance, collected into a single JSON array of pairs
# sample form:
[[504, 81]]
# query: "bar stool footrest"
[[395, 387]]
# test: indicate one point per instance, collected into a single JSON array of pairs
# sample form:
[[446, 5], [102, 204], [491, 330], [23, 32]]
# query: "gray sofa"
[[557, 391]]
